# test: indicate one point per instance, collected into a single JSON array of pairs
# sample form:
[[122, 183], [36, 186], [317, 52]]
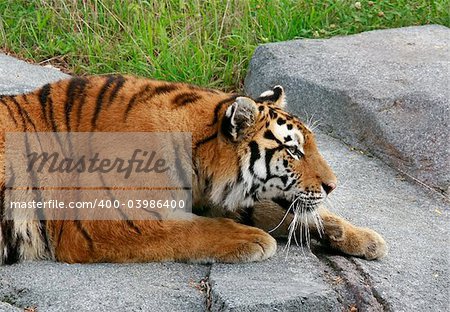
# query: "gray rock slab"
[[385, 91], [55, 287], [292, 283], [18, 76]]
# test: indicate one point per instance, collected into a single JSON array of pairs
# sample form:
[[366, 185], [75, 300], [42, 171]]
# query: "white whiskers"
[[303, 217], [310, 122], [285, 215]]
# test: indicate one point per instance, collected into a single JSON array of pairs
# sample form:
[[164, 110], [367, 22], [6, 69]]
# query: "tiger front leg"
[[198, 240], [228, 241], [350, 239], [337, 232]]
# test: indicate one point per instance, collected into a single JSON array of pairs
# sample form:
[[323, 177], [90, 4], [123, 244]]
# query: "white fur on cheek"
[[260, 166], [282, 131]]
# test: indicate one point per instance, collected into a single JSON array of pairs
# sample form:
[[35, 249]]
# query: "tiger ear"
[[276, 96], [238, 117]]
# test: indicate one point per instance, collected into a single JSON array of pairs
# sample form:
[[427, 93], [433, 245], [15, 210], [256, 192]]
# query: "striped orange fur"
[[251, 160]]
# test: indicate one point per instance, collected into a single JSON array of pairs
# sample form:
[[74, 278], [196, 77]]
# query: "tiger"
[[251, 160]]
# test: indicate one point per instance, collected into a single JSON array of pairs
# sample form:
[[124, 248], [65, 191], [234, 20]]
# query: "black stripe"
[[268, 157], [2, 201], [9, 239], [23, 114], [9, 111], [287, 188], [74, 90], [208, 185], [44, 235], [61, 231], [226, 128], [254, 188], [167, 88], [186, 98], [133, 100], [43, 97], [270, 136], [131, 224], [11, 242], [123, 215], [38, 197], [99, 103], [219, 107], [254, 155], [20, 112], [187, 147], [156, 216], [82, 99], [28, 233], [7, 228], [204, 141], [181, 174], [85, 234], [119, 84], [227, 191], [240, 175], [179, 170], [50, 113], [12, 180], [25, 98], [146, 97], [272, 113]]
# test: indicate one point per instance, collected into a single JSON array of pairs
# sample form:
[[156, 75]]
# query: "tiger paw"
[[360, 242], [244, 244], [373, 246]]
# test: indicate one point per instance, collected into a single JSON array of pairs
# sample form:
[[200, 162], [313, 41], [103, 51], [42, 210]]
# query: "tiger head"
[[277, 155]]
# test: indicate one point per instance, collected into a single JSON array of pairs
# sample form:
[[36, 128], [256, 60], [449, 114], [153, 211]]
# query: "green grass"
[[204, 42]]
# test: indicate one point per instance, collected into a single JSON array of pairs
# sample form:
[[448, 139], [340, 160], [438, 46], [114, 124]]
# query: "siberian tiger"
[[251, 160]]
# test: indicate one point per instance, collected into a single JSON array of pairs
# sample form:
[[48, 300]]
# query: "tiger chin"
[[253, 162]]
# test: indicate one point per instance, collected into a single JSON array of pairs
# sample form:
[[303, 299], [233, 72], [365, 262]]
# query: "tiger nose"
[[328, 187]]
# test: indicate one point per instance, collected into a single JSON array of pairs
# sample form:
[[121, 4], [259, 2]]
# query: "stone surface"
[[384, 91], [18, 76], [413, 277], [295, 283], [103, 287], [6, 307], [414, 222]]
